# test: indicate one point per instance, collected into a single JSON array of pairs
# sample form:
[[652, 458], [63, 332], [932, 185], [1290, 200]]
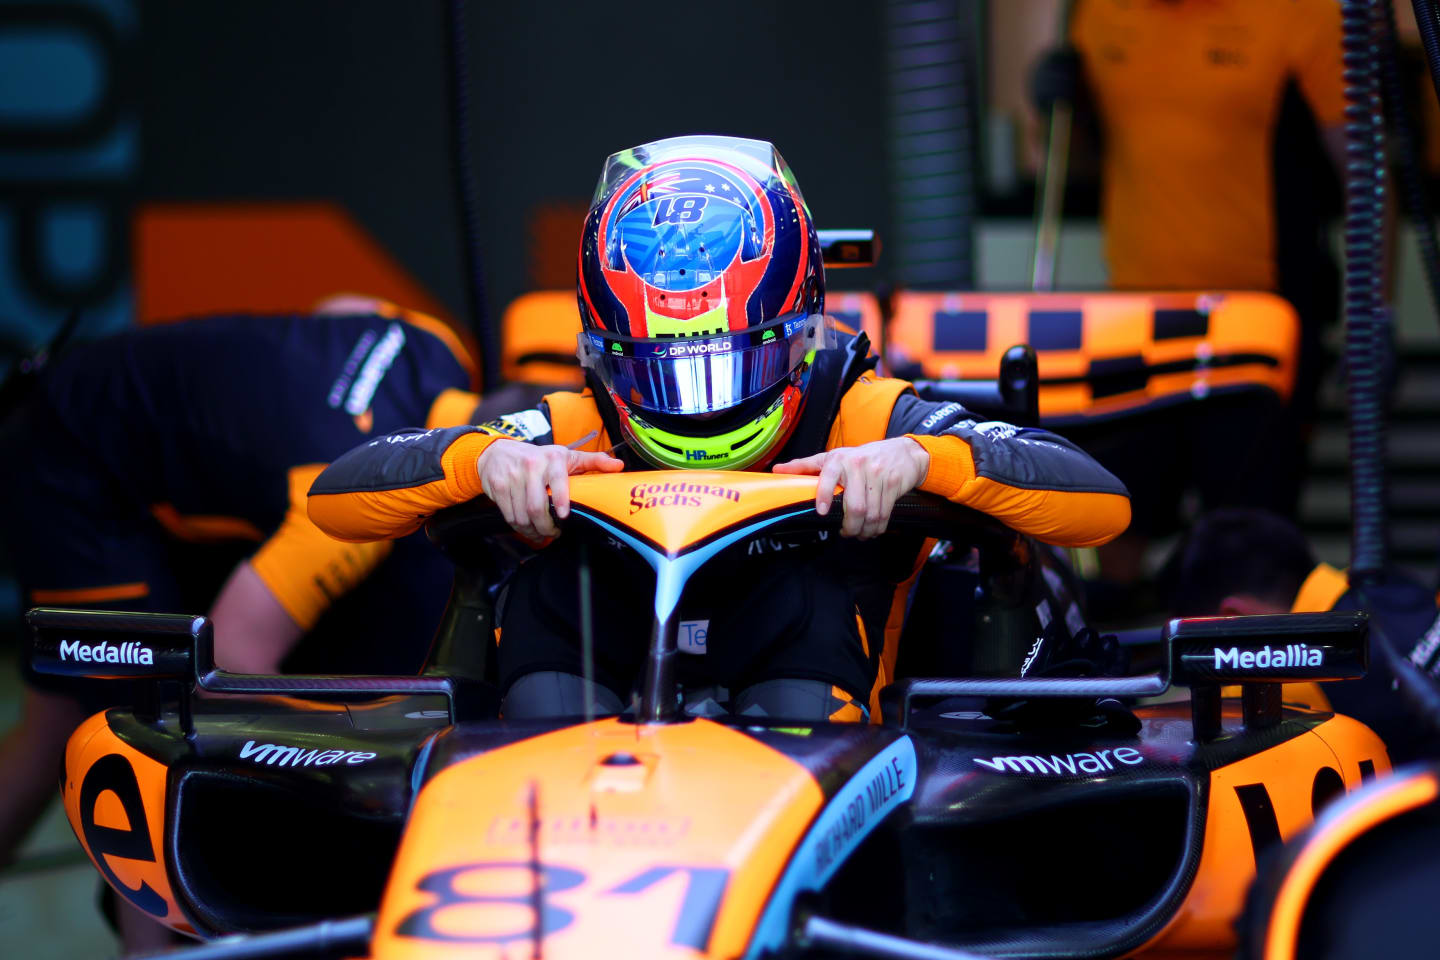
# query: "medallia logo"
[[106, 652], [1268, 658]]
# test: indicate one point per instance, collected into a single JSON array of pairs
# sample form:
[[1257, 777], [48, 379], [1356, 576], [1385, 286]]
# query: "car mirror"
[[1282, 648], [1261, 653], [848, 248], [116, 645]]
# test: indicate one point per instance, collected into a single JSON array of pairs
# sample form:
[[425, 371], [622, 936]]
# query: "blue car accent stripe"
[[872, 794]]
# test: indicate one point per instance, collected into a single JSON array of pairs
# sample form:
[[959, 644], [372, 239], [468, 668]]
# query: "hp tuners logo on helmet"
[[106, 652], [1268, 658]]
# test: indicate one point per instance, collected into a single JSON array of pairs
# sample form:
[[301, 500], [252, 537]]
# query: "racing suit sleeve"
[[388, 487], [306, 570], [1031, 480]]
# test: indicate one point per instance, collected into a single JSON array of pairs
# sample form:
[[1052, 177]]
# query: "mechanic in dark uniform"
[[701, 294], [1240, 562], [136, 455]]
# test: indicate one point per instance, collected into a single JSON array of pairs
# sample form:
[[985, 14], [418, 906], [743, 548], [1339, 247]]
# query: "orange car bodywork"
[[1284, 778], [617, 839], [1408, 790], [676, 514], [633, 856], [114, 796]]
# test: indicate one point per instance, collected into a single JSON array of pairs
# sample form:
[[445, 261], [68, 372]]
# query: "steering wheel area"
[[678, 521], [458, 529]]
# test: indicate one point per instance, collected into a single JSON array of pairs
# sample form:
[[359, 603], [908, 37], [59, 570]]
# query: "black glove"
[[1059, 75], [1086, 654]]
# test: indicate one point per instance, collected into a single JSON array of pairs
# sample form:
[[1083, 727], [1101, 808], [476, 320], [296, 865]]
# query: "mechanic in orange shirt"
[[1188, 94], [1189, 97]]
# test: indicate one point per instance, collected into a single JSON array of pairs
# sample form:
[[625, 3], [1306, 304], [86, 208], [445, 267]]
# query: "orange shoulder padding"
[[1321, 590], [1061, 517], [305, 569], [865, 411], [452, 408], [573, 416], [365, 515]]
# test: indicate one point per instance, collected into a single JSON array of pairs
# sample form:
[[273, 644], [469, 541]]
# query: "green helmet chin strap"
[[733, 450]]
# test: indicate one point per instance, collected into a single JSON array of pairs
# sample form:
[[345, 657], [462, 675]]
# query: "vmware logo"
[[279, 755], [1069, 765]]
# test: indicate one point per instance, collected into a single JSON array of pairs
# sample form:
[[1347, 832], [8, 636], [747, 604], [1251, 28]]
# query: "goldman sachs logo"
[[1267, 657], [106, 652]]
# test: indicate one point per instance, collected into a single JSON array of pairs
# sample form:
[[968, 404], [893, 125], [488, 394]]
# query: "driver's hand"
[[874, 476], [515, 474]]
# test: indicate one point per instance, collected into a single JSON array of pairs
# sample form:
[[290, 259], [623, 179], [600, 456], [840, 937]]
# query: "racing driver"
[[702, 296]]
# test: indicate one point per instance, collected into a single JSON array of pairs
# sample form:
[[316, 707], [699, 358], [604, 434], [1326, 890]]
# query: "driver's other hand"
[[515, 474], [874, 476]]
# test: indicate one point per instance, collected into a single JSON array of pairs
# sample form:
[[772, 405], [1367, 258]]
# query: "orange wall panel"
[[195, 258]]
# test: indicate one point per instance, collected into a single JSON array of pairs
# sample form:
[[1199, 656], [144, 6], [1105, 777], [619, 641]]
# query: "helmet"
[[702, 297]]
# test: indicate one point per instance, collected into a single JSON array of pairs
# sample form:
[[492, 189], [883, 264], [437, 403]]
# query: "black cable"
[[1413, 685], [462, 170], [1408, 168], [1429, 38], [1416, 689], [1364, 316]]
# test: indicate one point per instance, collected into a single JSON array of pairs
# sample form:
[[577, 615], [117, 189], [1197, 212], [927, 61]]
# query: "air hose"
[[1408, 168], [1416, 688], [1429, 38], [1365, 319], [462, 170]]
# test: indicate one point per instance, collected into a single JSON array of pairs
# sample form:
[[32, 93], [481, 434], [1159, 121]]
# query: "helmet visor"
[[699, 375]]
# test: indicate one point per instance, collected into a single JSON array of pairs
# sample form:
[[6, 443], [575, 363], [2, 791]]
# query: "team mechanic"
[[147, 454], [1242, 562], [701, 295]]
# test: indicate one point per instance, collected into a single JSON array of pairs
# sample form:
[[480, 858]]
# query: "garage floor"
[[48, 898]]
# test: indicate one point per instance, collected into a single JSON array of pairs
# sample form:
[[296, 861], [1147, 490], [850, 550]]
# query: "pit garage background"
[[161, 158]]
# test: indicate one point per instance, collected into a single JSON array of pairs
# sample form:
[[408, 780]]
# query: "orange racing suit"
[[1030, 479]]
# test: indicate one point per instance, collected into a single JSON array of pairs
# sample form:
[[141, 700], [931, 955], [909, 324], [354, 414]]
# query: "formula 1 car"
[[400, 818]]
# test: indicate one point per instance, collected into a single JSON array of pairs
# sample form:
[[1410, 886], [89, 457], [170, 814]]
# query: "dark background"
[[276, 99]]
